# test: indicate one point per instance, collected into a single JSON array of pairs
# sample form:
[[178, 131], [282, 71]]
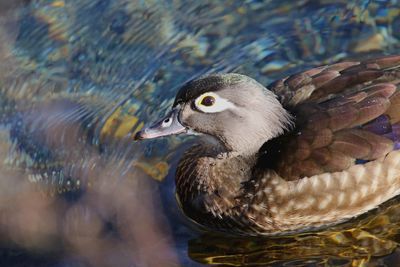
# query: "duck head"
[[234, 109]]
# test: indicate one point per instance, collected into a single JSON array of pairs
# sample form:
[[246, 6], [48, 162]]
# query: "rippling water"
[[79, 78]]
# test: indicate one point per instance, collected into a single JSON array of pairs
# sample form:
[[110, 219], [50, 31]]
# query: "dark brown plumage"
[[336, 130], [319, 147]]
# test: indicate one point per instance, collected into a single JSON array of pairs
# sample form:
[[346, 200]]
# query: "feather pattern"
[[346, 113]]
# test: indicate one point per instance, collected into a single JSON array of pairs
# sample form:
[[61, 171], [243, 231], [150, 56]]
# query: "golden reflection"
[[102, 207], [356, 243]]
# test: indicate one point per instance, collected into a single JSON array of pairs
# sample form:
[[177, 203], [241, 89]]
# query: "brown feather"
[[351, 144], [346, 80], [342, 116], [379, 145], [303, 150], [382, 89], [296, 81], [339, 161], [331, 104], [324, 77], [387, 62], [322, 138], [318, 121], [394, 109], [341, 65], [306, 168], [369, 109], [322, 156]]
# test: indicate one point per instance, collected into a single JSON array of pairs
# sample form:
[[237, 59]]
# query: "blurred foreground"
[[79, 78]]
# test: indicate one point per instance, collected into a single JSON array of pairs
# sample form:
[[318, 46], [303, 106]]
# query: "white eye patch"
[[211, 103]]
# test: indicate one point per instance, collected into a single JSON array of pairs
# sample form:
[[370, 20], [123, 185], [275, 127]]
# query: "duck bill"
[[169, 125]]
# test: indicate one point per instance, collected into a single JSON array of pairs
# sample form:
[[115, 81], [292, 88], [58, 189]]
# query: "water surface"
[[78, 78]]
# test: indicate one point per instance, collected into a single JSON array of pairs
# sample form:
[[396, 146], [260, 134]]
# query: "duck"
[[308, 151]]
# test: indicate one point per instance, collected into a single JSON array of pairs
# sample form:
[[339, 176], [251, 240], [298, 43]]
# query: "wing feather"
[[346, 114]]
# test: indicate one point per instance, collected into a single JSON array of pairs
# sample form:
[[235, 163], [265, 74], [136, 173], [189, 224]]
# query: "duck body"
[[313, 149]]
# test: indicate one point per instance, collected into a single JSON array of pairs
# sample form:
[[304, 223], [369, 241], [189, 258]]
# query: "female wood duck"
[[317, 148]]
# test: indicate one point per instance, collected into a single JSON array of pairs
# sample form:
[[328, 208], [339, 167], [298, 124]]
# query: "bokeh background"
[[79, 77]]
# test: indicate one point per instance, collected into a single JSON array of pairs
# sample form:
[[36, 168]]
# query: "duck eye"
[[211, 102], [208, 101]]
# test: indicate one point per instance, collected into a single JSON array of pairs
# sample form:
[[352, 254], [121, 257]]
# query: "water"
[[78, 78]]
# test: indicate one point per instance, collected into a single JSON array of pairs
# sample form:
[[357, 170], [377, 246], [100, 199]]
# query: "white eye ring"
[[220, 103], [166, 123]]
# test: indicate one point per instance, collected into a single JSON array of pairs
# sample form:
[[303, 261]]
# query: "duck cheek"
[[202, 124], [188, 116]]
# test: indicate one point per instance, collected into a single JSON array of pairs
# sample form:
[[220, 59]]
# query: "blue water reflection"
[[78, 78]]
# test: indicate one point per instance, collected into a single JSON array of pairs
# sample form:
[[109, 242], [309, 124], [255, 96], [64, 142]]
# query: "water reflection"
[[78, 78], [80, 205], [357, 243]]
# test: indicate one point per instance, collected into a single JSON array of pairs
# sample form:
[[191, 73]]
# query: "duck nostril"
[[167, 122]]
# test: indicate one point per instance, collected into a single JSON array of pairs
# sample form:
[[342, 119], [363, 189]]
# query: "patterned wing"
[[321, 83], [346, 114]]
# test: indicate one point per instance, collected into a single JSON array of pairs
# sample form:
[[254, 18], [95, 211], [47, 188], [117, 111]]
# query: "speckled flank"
[[329, 197]]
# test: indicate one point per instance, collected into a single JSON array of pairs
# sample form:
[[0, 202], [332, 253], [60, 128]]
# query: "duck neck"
[[210, 181]]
